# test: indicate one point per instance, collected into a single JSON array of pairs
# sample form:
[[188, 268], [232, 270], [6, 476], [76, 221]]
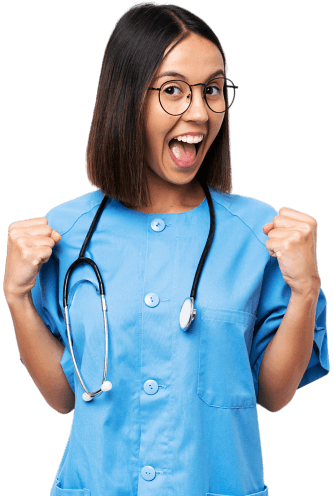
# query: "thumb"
[[268, 227], [55, 236]]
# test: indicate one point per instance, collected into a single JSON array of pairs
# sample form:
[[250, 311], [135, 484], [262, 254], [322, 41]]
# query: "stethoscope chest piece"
[[187, 313]]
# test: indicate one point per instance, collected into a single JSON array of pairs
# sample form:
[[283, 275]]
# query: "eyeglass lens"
[[175, 96]]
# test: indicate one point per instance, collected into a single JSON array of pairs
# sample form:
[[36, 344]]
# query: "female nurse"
[[179, 413]]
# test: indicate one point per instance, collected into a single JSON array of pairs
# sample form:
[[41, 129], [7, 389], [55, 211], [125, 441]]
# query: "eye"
[[213, 90], [172, 90]]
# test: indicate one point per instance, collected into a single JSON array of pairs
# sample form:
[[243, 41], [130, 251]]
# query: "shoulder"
[[252, 212], [64, 216]]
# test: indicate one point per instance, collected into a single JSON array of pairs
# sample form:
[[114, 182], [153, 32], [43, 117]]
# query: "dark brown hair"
[[135, 50]]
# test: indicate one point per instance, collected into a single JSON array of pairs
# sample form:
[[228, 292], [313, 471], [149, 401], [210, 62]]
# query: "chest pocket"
[[224, 374], [59, 491]]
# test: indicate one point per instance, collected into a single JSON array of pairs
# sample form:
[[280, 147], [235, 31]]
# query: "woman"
[[181, 414]]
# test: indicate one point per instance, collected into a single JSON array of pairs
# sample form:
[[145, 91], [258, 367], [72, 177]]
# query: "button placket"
[[151, 386]]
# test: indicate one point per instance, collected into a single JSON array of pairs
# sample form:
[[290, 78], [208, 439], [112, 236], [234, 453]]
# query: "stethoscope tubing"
[[208, 241], [83, 260]]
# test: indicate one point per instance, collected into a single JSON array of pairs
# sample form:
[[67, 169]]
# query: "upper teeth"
[[190, 139]]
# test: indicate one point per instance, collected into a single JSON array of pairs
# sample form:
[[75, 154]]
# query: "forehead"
[[194, 57]]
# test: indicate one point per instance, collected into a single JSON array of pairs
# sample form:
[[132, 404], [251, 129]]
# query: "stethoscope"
[[187, 313]]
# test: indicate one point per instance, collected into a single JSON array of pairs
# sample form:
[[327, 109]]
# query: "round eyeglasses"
[[175, 96]]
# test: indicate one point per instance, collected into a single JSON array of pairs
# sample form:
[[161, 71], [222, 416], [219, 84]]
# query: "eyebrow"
[[176, 74]]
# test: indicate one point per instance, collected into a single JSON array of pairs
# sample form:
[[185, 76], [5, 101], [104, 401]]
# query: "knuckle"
[[25, 254], [308, 229], [20, 242], [298, 236]]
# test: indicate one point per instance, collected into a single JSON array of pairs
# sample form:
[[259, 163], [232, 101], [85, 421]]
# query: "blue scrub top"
[[181, 417]]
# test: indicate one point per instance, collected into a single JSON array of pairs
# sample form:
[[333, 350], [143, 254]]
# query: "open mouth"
[[182, 153], [197, 145]]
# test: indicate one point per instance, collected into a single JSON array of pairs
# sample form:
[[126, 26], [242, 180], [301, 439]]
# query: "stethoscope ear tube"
[[188, 310], [81, 260]]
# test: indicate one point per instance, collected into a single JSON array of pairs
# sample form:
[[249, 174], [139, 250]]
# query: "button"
[[148, 473], [158, 225], [152, 300], [151, 386]]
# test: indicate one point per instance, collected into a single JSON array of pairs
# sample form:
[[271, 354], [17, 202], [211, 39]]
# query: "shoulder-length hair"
[[135, 50]]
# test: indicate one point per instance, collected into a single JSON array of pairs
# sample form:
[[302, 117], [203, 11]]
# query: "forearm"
[[41, 353], [288, 353]]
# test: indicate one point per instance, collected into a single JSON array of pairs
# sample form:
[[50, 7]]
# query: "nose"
[[198, 110]]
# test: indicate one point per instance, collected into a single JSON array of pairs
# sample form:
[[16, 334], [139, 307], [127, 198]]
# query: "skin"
[[292, 238], [172, 188]]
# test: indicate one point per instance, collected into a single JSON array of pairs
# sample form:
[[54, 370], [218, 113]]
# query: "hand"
[[292, 239], [30, 244]]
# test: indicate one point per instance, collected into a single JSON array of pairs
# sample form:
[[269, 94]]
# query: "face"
[[196, 59]]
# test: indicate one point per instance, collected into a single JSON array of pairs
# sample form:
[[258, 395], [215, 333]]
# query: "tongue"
[[182, 150]]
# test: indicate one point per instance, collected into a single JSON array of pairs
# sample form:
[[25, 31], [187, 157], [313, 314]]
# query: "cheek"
[[158, 126]]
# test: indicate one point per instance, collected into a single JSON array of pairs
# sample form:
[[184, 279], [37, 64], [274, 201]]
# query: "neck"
[[167, 197]]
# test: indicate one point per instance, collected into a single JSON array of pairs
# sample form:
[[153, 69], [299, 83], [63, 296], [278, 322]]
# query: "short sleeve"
[[273, 302], [45, 296]]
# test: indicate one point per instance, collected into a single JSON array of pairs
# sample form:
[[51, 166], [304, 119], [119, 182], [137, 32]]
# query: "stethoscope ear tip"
[[106, 386], [87, 397]]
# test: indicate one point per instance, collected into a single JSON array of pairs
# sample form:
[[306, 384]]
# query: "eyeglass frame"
[[191, 93]]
